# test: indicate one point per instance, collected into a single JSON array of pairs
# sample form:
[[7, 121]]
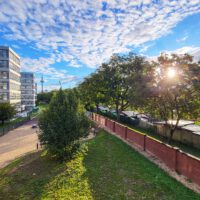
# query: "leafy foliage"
[[170, 90], [7, 111], [63, 124], [110, 84], [45, 98]]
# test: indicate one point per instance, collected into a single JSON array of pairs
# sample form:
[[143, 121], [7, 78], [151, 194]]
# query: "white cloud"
[[81, 32], [182, 39], [193, 51]]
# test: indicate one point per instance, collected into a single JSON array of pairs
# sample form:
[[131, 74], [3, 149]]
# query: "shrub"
[[7, 111], [62, 125]]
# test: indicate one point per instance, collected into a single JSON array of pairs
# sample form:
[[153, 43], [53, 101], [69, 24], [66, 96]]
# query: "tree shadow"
[[27, 177]]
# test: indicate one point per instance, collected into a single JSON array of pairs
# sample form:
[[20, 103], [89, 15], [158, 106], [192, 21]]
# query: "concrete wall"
[[175, 159], [181, 135]]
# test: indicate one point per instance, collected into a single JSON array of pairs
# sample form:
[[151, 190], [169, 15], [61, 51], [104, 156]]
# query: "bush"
[[62, 124], [7, 111]]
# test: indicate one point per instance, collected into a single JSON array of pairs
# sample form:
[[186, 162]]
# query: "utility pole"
[[42, 83]]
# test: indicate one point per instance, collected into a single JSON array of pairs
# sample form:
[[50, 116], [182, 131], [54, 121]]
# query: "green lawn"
[[105, 168]]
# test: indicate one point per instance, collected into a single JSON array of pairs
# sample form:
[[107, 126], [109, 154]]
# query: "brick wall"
[[110, 124], [162, 151], [120, 130], [136, 138], [188, 166]]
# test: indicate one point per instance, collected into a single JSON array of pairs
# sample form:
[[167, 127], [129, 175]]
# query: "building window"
[[3, 86], [3, 64], [3, 53], [14, 67], [14, 58], [4, 96], [14, 77], [3, 75]]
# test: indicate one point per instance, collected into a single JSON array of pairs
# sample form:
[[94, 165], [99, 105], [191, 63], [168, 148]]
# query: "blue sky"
[[67, 40]]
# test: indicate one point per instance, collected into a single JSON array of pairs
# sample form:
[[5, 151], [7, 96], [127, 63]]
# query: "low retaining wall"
[[174, 158]]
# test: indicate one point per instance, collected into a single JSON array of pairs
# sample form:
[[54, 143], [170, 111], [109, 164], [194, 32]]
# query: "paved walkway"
[[17, 143]]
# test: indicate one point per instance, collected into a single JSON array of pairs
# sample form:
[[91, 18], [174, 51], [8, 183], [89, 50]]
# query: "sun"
[[171, 73]]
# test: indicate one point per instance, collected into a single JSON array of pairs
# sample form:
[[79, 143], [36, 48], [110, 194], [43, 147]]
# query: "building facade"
[[28, 92], [10, 90]]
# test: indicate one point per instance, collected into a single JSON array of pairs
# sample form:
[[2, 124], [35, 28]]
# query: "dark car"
[[34, 126]]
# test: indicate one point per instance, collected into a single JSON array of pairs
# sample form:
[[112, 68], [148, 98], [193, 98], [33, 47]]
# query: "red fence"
[[162, 151], [175, 159], [136, 138]]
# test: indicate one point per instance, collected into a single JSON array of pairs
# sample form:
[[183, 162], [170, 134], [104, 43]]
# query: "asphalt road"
[[17, 142]]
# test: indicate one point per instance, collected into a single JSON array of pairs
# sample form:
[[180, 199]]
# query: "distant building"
[[10, 77], [28, 91]]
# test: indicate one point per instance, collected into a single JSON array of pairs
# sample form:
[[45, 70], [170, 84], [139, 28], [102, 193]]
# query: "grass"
[[105, 168], [197, 123], [43, 107], [37, 113]]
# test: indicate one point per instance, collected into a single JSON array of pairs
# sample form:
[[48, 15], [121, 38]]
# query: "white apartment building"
[[10, 77], [28, 91]]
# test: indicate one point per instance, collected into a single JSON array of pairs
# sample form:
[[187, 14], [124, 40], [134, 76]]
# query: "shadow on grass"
[[27, 177]]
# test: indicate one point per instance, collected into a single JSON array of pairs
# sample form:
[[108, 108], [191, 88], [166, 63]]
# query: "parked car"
[[129, 117], [103, 109], [34, 126]]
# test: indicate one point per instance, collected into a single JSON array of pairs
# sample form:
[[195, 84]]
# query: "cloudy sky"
[[67, 40]]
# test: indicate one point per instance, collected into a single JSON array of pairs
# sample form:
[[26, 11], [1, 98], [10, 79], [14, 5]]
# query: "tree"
[[92, 91], [7, 111], [170, 90], [63, 124], [116, 77], [44, 97]]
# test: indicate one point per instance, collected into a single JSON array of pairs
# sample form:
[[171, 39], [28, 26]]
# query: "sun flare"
[[171, 73]]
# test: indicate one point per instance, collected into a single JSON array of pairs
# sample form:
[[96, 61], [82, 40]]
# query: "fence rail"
[[177, 160]]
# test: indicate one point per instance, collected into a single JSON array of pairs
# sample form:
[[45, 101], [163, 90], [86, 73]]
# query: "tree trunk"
[[97, 107], [117, 111], [171, 133]]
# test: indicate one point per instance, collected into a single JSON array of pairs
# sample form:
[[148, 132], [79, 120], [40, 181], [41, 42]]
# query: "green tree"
[[170, 90], [45, 97], [116, 77], [7, 111], [63, 124], [92, 91]]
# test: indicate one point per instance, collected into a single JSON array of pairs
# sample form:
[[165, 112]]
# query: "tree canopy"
[[7, 111], [170, 90], [62, 124]]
